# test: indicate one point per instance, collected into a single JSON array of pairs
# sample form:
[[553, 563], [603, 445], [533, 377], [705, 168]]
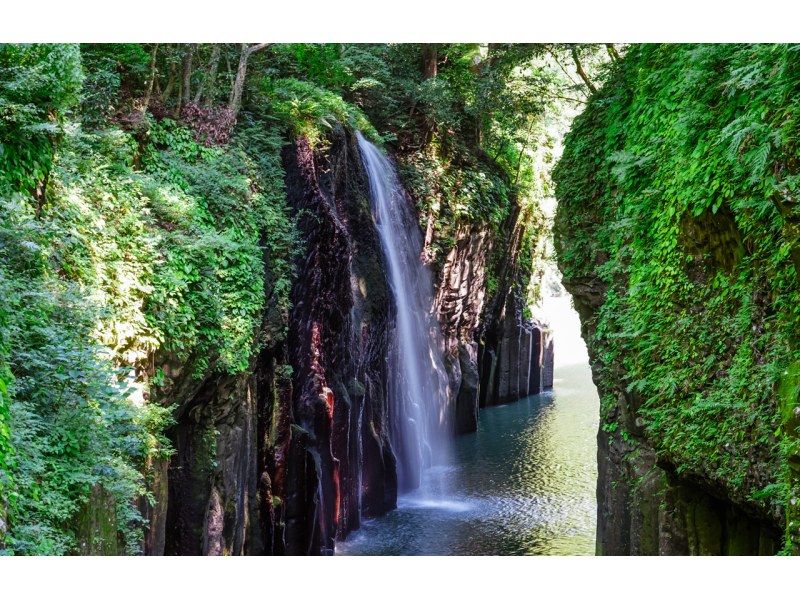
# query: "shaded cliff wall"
[[221, 492], [288, 456], [271, 461], [675, 237], [339, 333], [494, 354]]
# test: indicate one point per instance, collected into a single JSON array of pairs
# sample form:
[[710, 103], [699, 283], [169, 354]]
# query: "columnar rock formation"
[[516, 358], [459, 303], [338, 339], [494, 355], [289, 456], [273, 461]]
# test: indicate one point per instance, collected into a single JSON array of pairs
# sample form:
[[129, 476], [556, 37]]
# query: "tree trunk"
[[430, 59], [176, 112], [209, 80], [40, 192], [612, 52], [235, 102], [186, 81], [170, 84], [149, 93], [581, 73]]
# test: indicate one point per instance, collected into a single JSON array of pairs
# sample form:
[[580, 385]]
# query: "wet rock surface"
[[271, 462]]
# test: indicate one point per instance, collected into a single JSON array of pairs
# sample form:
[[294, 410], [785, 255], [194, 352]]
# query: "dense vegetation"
[[677, 219], [143, 224]]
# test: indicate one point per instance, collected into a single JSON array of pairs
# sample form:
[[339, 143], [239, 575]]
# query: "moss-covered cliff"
[[677, 236]]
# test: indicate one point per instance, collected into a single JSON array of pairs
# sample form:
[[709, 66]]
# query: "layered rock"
[[288, 456], [339, 334], [459, 304], [494, 356]]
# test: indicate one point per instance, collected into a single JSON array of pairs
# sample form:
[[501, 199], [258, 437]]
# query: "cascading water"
[[419, 407]]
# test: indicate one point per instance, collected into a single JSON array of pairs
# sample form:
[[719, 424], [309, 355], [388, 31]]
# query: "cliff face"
[[673, 204], [459, 304], [288, 456], [268, 462], [493, 354], [339, 334]]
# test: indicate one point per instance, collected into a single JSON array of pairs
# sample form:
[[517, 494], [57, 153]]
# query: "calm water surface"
[[523, 484]]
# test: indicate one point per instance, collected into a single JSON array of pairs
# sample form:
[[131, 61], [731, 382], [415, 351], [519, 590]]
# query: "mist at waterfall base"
[[524, 484]]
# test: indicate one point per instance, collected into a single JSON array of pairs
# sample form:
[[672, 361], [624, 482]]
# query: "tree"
[[151, 79], [38, 83], [186, 80], [579, 68], [430, 60], [211, 76], [235, 103]]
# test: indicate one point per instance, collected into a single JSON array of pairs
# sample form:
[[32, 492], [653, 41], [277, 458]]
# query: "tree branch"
[[612, 51]]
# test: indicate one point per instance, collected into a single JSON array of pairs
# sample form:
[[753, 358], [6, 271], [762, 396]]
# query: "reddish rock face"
[[267, 463], [338, 339]]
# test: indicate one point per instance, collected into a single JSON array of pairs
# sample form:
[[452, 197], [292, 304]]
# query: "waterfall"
[[418, 402]]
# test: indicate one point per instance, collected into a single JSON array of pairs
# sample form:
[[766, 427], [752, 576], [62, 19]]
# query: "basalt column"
[[340, 462], [515, 357], [459, 304]]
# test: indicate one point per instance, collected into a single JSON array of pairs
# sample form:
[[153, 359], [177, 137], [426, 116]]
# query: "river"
[[523, 484]]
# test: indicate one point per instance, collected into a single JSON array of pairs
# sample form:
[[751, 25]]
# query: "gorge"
[[313, 305]]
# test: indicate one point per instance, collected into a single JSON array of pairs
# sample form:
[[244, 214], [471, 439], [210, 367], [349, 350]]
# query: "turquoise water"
[[524, 484]]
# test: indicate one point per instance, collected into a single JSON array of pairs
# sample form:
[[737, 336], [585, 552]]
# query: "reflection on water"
[[523, 484]]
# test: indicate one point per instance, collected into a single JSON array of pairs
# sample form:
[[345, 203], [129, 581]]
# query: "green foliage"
[[310, 111], [6, 380], [676, 194], [105, 68], [213, 204], [38, 84], [322, 65], [72, 425], [143, 249]]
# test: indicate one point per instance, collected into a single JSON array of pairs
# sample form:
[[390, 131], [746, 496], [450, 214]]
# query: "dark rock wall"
[[459, 304], [645, 509], [212, 480], [267, 462], [339, 333], [493, 355], [516, 357], [288, 456]]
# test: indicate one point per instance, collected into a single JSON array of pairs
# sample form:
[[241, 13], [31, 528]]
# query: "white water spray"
[[418, 400]]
